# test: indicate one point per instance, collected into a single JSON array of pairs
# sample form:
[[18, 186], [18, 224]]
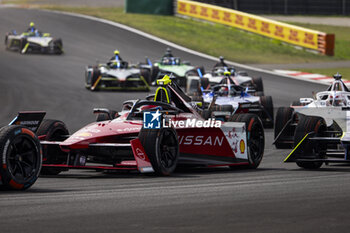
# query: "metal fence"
[[311, 7]]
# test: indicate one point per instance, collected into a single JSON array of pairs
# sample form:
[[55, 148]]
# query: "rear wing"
[[32, 120]]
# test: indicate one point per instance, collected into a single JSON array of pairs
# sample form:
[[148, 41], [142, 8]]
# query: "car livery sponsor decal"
[[242, 146], [140, 154], [84, 134], [235, 133], [201, 140], [4, 155]]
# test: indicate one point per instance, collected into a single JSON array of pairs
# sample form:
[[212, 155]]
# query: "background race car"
[[116, 75], [227, 99], [254, 84], [37, 42], [325, 104], [317, 128], [171, 66]]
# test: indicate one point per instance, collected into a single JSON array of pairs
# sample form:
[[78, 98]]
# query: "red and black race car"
[[147, 135]]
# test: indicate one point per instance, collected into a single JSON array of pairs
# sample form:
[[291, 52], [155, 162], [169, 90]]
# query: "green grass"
[[345, 72], [218, 40]]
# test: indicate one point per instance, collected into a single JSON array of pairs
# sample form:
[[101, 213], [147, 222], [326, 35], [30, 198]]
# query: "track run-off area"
[[276, 197]]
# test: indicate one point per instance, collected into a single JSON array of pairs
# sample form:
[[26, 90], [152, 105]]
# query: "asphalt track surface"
[[276, 197]]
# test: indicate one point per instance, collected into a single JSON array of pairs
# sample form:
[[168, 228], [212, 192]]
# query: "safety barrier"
[[311, 39]]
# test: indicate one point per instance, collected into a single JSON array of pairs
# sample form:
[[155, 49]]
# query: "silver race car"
[[116, 75], [33, 42]]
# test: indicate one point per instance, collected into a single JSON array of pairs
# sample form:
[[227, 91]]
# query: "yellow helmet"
[[116, 52], [31, 24], [227, 73]]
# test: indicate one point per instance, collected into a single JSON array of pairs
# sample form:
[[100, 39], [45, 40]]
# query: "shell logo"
[[242, 146], [140, 154]]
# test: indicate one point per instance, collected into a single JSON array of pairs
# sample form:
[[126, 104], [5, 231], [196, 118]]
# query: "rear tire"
[[6, 40], [310, 150], [267, 103], [52, 130], [162, 148], [258, 84], [105, 117], [95, 75], [23, 43], [255, 138], [154, 73], [58, 46], [283, 115], [20, 157], [204, 82], [146, 75]]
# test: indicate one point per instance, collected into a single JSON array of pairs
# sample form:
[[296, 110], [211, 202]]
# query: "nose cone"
[[97, 132]]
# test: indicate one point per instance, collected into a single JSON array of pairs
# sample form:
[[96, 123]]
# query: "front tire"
[[267, 103], [310, 150], [283, 115], [53, 130], [162, 148], [20, 156], [258, 84], [255, 138]]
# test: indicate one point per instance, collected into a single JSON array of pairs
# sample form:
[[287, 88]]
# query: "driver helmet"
[[335, 100], [31, 24], [220, 71], [221, 58], [116, 52], [223, 91], [166, 61]]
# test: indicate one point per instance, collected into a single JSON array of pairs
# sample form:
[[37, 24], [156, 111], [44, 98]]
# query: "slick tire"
[[52, 130], [20, 156], [204, 82], [283, 115], [310, 150], [258, 84], [23, 43], [154, 73], [267, 103], [58, 46], [162, 148], [95, 75], [255, 138], [201, 68], [105, 117], [146, 75], [6, 40]]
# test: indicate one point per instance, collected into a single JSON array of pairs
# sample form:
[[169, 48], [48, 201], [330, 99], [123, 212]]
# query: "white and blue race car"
[[227, 99], [318, 129]]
